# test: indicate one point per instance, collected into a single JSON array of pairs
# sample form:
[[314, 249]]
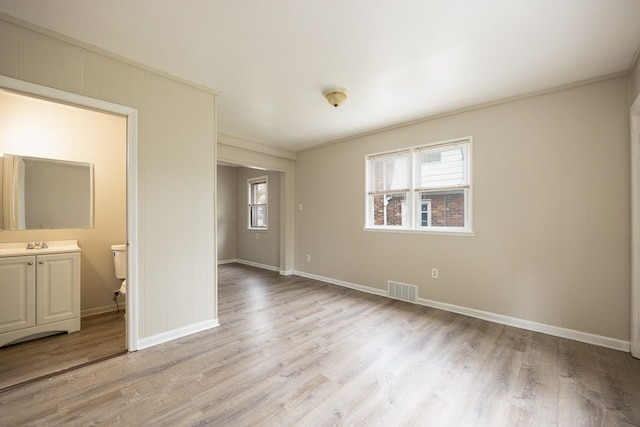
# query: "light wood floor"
[[293, 351], [100, 336]]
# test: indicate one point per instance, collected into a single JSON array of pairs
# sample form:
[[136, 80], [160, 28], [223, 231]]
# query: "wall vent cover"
[[402, 291]]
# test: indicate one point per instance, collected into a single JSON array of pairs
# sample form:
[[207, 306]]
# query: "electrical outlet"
[[308, 258], [257, 236], [434, 273]]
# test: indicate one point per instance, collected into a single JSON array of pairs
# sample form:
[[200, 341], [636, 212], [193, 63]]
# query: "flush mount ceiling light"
[[335, 96]]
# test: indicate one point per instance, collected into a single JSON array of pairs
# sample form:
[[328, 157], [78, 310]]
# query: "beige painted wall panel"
[[91, 74], [551, 206], [226, 201], [115, 81], [10, 46], [227, 240], [154, 198], [202, 160], [610, 206], [42, 59], [72, 69]]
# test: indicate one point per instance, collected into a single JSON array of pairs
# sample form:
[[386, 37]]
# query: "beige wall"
[[33, 127], [227, 207], [261, 247], [551, 212], [176, 139]]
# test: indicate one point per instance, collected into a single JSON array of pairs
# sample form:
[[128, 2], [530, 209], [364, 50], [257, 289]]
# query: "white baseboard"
[[342, 283], [255, 264], [529, 325], [104, 309], [585, 337], [176, 333]]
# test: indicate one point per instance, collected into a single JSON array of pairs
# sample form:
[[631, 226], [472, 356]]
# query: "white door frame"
[[132, 182], [635, 228]]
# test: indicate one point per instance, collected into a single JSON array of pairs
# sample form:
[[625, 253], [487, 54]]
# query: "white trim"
[[132, 183], [177, 333], [133, 254], [409, 231], [556, 331], [257, 264], [100, 310], [342, 283], [250, 204], [585, 337], [635, 227]]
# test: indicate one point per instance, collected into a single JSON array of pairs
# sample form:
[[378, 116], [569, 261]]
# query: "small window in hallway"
[[257, 212]]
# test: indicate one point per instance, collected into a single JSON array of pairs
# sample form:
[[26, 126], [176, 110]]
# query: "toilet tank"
[[120, 260]]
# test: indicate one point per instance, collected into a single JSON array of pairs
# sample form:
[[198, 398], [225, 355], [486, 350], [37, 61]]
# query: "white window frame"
[[251, 203], [413, 201]]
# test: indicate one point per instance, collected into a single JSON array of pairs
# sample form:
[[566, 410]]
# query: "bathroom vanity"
[[39, 289]]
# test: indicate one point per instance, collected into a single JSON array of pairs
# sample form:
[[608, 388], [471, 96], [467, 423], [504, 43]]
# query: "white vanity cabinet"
[[17, 293], [39, 291]]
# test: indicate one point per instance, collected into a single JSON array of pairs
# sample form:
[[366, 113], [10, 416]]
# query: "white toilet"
[[120, 265]]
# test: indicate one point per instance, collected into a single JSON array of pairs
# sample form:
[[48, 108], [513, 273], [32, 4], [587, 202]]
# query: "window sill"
[[432, 232]]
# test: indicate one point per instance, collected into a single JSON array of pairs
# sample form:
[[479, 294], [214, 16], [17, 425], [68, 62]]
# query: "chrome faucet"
[[37, 245]]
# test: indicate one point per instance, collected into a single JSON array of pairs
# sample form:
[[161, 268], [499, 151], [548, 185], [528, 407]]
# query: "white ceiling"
[[401, 60]]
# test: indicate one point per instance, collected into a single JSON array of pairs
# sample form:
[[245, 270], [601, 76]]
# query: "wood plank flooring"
[[294, 351], [100, 336]]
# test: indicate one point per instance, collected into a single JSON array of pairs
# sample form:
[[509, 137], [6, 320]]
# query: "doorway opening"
[[104, 134], [247, 232]]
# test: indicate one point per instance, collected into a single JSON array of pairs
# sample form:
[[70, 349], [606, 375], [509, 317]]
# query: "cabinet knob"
[[40, 262], [30, 263]]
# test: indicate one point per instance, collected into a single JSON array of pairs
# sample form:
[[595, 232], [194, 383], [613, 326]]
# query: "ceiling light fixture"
[[335, 96]]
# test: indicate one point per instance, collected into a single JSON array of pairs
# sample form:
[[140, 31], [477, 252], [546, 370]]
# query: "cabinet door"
[[58, 288], [17, 293]]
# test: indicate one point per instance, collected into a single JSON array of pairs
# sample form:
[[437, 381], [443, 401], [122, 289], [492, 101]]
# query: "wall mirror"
[[38, 193]]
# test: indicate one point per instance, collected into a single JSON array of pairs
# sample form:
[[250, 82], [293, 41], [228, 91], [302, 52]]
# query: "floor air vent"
[[403, 291]]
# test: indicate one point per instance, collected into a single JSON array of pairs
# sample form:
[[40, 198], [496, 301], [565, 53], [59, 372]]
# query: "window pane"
[[425, 213], [446, 208], [391, 172], [259, 193], [443, 167], [390, 209], [258, 216]]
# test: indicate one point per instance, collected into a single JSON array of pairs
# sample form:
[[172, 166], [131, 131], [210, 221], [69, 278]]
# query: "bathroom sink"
[[54, 246]]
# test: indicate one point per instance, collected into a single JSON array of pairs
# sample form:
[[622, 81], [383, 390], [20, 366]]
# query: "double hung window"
[[257, 189], [423, 188]]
